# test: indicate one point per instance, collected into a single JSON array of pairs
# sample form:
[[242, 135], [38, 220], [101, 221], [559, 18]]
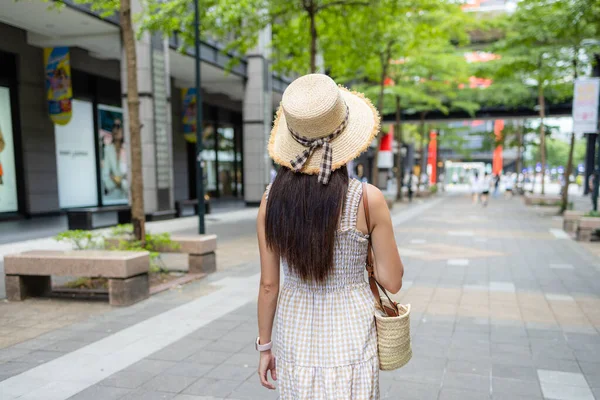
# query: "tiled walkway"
[[503, 308]]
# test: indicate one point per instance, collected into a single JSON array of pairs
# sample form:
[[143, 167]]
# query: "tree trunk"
[[569, 170], [400, 177], [520, 147], [421, 151], [542, 104], [385, 62], [138, 218], [313, 37]]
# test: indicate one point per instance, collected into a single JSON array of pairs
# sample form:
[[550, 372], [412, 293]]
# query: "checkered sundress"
[[325, 341]]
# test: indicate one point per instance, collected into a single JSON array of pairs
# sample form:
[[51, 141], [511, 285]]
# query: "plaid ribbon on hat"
[[313, 144]]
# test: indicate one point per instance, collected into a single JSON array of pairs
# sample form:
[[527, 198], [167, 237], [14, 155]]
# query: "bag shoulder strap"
[[392, 309]]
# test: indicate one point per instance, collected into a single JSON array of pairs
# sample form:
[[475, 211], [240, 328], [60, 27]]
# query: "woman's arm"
[[388, 266], [267, 297]]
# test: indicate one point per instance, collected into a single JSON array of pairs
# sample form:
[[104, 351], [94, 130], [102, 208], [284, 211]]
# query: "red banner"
[[432, 157], [497, 162]]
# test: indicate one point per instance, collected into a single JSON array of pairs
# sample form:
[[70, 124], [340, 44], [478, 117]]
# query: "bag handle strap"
[[391, 311]]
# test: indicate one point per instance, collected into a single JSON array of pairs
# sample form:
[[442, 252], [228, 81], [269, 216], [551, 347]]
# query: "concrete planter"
[[542, 200], [571, 220], [586, 228]]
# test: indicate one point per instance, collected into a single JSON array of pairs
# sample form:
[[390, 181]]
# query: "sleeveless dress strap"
[[350, 213]]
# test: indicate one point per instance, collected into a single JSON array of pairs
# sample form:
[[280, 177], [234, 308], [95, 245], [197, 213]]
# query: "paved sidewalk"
[[504, 307]]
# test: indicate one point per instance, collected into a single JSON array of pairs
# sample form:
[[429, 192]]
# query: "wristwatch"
[[263, 347]]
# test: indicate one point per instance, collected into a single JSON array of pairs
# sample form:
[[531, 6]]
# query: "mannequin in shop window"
[[114, 162]]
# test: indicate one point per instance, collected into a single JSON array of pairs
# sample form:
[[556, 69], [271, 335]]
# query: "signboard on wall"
[[8, 176], [585, 105], [188, 117], [59, 92], [113, 155], [76, 158]]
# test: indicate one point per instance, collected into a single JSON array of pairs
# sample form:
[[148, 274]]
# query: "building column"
[[154, 88], [258, 118]]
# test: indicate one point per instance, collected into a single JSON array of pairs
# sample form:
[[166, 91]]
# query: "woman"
[[312, 219]]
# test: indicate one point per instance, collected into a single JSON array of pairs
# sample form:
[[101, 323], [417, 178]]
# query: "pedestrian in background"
[[486, 184], [475, 187], [312, 219]]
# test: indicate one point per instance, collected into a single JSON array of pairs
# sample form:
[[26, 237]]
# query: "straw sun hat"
[[319, 126]]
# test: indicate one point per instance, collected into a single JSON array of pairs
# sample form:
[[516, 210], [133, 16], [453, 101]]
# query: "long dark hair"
[[302, 219]]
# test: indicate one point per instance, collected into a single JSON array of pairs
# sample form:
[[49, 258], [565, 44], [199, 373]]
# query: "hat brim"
[[363, 126]]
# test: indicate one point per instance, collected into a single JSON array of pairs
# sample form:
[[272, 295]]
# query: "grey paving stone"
[[460, 394], [253, 390], [65, 346], [225, 324], [591, 371], [212, 387], [407, 390], [589, 355], [11, 368], [472, 382], [190, 369], [511, 396], [561, 378], [143, 394], [128, 379], [243, 359], [511, 348], [12, 353], [40, 356], [516, 387], [514, 372], [33, 344], [231, 372], [180, 350], [556, 364], [209, 357], [154, 367], [512, 359], [207, 333], [192, 397], [556, 391], [169, 383], [480, 367], [97, 392], [227, 346]]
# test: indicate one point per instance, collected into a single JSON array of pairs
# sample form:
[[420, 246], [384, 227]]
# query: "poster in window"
[[8, 178], [113, 155], [76, 158]]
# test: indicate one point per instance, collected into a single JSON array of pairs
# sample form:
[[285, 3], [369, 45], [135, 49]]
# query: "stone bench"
[[28, 273], [586, 228], [571, 220], [542, 200], [199, 248]]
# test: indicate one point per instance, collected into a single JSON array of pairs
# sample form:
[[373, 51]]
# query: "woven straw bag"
[[391, 319]]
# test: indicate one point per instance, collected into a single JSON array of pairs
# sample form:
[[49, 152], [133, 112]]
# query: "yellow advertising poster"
[[59, 92]]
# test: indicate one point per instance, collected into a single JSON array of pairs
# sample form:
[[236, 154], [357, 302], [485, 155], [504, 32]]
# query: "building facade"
[[47, 167]]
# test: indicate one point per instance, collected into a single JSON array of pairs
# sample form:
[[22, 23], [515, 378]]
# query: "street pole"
[[199, 172], [596, 73]]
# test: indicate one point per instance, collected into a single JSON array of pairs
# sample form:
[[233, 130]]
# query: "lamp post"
[[199, 169]]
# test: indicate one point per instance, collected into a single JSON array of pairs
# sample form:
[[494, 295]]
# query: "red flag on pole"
[[497, 162], [432, 157]]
